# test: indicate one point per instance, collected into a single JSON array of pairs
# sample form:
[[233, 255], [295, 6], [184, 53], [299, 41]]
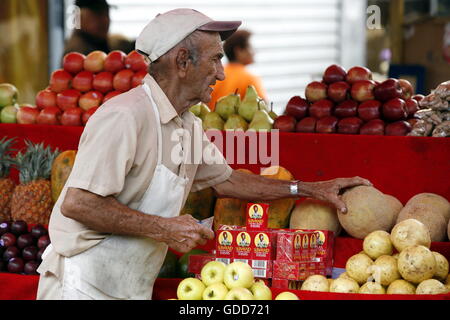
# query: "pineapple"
[[6, 184], [32, 198]]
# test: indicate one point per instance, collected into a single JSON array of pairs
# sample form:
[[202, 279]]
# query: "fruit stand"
[[400, 166]]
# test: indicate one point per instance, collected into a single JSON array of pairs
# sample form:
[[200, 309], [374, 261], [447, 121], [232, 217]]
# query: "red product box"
[[263, 247], [294, 270], [242, 250], [225, 242], [257, 216], [198, 261]]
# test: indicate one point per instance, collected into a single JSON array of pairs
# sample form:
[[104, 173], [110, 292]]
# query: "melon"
[[61, 169], [316, 283], [408, 233], [230, 211], [441, 266], [358, 267], [432, 219], [344, 285], [372, 288], [434, 201], [279, 210], [368, 210], [431, 286], [385, 270], [316, 215], [416, 264], [401, 287], [378, 243], [200, 204]]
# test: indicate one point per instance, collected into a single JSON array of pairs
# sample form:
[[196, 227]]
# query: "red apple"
[[45, 98], [334, 73], [285, 123], [373, 127], [395, 109], [73, 62], [357, 74], [95, 61], [87, 114], [122, 80], [399, 128], [316, 91], [327, 125], [90, 100], [115, 61], [387, 90], [138, 78], [307, 125], [407, 89], [83, 81], [27, 115], [349, 125], [346, 109], [60, 80], [412, 106], [111, 94], [370, 109], [362, 90], [49, 116], [68, 99], [103, 82], [321, 108], [338, 91], [297, 107], [418, 97], [72, 117], [135, 61]]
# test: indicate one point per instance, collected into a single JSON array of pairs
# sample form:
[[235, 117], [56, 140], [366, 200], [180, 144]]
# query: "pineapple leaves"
[[6, 156]]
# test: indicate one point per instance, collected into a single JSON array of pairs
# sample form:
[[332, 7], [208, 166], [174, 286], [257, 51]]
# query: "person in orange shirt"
[[240, 53]]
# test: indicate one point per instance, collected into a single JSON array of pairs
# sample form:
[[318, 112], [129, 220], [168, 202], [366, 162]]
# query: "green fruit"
[[236, 122], [213, 121], [169, 267], [183, 263], [228, 105], [9, 114], [8, 94]]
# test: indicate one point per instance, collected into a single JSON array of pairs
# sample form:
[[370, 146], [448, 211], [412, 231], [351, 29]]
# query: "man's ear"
[[182, 60]]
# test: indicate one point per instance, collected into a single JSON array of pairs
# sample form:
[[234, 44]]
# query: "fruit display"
[[7, 185], [32, 198], [77, 90], [232, 114], [434, 116], [350, 102], [21, 246]]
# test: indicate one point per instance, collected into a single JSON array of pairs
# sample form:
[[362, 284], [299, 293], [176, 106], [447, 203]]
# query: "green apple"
[[286, 295], [190, 289], [239, 294], [213, 272], [238, 274], [9, 114], [8, 95], [216, 291], [260, 291]]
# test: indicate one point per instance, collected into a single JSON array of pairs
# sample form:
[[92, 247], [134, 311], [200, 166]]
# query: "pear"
[[228, 105], [204, 110], [250, 103], [236, 122], [195, 109], [213, 121], [261, 121], [272, 113]]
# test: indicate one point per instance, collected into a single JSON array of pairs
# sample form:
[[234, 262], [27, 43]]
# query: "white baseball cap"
[[166, 30]]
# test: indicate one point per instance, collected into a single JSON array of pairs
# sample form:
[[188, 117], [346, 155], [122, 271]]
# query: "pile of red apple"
[[21, 247], [85, 82], [350, 102]]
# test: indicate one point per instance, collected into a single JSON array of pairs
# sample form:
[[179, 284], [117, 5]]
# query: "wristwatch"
[[294, 188]]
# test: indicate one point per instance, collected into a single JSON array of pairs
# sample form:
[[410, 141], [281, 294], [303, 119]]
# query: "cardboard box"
[[294, 270]]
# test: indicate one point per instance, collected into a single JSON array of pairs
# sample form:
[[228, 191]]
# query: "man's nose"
[[220, 72]]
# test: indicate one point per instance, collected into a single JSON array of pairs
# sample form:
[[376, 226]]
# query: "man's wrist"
[[304, 188]]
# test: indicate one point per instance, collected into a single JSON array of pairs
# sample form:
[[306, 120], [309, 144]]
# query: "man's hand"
[[330, 190], [183, 233]]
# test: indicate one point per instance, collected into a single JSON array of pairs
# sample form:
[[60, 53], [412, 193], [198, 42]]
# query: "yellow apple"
[[213, 272], [260, 291], [216, 291], [287, 296], [190, 289], [238, 274], [239, 294]]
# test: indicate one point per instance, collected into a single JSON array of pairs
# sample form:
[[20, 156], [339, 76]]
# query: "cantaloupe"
[[279, 210], [368, 210], [315, 214], [434, 201], [230, 211], [200, 204], [432, 219]]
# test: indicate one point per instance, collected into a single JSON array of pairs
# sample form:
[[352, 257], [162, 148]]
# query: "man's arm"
[[107, 215], [258, 188]]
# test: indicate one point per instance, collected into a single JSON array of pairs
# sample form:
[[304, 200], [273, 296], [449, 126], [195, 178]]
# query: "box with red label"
[[198, 261], [242, 250], [263, 245], [257, 216], [225, 242], [286, 284], [295, 270]]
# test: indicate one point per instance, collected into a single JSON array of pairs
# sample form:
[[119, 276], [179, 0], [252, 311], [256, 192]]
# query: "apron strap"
[[158, 122]]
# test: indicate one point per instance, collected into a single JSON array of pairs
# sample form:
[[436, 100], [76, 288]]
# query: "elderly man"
[[119, 210]]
